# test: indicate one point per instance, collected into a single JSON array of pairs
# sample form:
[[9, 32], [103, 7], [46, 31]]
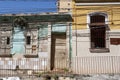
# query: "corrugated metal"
[[23, 63], [93, 65], [80, 65]]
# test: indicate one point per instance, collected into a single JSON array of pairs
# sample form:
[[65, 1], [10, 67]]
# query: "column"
[[49, 45]]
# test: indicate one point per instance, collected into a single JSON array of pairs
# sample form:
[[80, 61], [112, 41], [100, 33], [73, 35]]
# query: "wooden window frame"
[[98, 24], [98, 37]]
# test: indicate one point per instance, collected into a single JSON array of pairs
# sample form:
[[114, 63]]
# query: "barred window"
[[98, 36], [98, 29]]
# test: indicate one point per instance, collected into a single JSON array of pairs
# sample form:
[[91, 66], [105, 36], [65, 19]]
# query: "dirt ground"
[[59, 77]]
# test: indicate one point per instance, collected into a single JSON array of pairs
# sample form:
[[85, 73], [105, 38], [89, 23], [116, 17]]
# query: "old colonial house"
[[34, 41], [96, 36], [90, 45]]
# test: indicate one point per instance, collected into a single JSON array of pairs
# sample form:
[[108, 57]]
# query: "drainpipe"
[[70, 47]]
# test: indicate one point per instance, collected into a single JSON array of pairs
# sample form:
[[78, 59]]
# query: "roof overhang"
[[38, 18], [96, 1], [97, 4]]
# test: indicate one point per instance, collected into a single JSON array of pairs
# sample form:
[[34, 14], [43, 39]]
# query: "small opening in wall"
[[28, 39], [8, 40], [68, 9], [17, 67], [68, 3]]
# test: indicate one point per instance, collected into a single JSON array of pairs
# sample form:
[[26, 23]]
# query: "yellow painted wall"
[[80, 15]]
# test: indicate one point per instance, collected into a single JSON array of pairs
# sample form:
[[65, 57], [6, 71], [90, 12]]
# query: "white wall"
[[83, 45], [85, 62]]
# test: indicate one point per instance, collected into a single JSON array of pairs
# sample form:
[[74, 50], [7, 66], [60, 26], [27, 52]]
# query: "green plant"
[[39, 74], [46, 72], [21, 22], [47, 77], [66, 70], [55, 77]]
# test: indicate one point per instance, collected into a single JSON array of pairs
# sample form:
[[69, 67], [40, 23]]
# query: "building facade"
[[96, 36], [34, 42]]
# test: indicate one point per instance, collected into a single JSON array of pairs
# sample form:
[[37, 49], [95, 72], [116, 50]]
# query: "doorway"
[[58, 51]]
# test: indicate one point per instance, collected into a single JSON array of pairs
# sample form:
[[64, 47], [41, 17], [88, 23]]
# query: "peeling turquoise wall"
[[59, 27], [43, 31], [18, 41]]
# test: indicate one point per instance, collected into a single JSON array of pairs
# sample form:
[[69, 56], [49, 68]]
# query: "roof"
[[37, 17], [94, 1]]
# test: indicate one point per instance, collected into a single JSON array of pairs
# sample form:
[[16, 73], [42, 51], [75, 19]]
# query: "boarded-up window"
[[115, 41], [8, 40], [28, 40]]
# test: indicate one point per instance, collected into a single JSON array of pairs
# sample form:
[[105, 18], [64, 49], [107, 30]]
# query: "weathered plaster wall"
[[4, 33], [42, 39]]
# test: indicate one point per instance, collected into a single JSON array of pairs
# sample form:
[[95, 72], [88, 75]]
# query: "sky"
[[27, 6]]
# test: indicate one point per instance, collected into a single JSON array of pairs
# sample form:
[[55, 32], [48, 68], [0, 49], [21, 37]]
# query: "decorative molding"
[[97, 4]]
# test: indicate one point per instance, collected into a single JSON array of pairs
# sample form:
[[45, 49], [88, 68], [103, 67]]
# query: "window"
[[28, 40], [97, 19], [8, 40], [97, 36], [98, 27]]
